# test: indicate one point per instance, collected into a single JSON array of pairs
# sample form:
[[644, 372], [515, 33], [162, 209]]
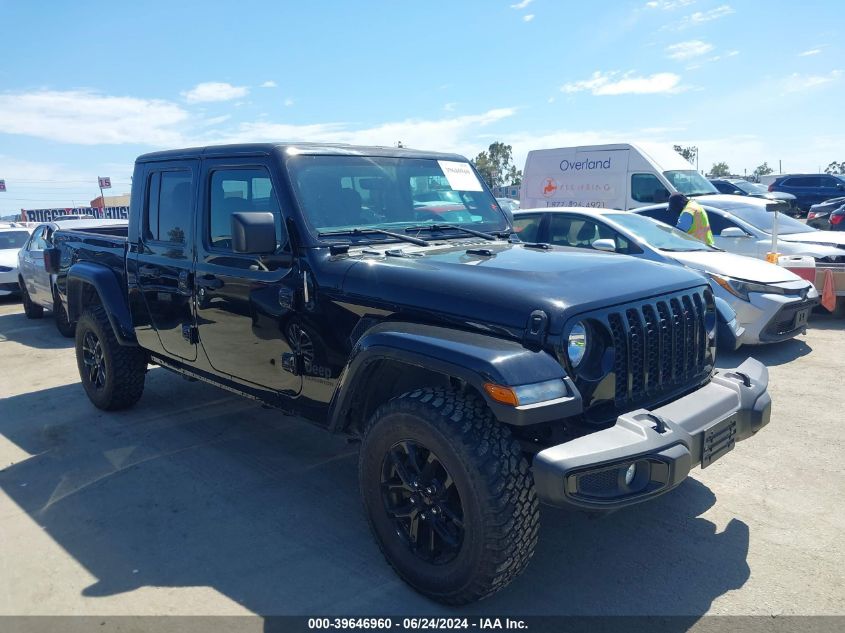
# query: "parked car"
[[746, 229], [837, 219], [772, 304], [38, 286], [480, 374], [810, 189], [12, 238], [740, 187], [819, 215]]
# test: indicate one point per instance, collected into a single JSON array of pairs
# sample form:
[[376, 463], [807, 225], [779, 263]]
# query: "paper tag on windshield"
[[460, 176]]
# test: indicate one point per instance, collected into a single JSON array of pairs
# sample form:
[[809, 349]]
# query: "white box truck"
[[620, 176]]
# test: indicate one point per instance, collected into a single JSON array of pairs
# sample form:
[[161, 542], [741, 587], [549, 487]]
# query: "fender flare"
[[470, 356], [112, 295]]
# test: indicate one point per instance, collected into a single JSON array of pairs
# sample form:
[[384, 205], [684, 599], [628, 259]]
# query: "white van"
[[621, 176]]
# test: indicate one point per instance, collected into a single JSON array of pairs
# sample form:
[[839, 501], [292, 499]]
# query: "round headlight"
[[576, 345]]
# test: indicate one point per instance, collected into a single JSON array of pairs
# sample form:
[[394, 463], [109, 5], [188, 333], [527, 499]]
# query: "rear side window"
[[803, 181], [169, 204], [647, 188], [527, 227], [236, 190]]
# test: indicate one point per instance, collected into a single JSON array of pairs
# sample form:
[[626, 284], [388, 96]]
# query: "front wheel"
[[112, 374], [448, 494]]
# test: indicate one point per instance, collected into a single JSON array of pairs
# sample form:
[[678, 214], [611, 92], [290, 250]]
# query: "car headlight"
[[741, 288], [576, 344]]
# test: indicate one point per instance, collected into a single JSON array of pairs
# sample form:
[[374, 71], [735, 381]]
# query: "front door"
[[246, 304], [32, 265], [165, 255]]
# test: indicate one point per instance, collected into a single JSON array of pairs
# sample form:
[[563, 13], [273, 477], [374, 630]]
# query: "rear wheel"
[[112, 374], [63, 323], [31, 310], [448, 495]]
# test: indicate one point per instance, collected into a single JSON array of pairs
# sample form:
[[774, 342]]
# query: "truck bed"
[[104, 245]]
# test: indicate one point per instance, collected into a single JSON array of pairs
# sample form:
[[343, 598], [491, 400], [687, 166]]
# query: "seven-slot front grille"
[[659, 346]]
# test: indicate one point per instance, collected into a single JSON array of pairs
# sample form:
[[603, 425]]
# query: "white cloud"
[[214, 91], [289, 102], [528, 17], [86, 117], [798, 83], [612, 83], [448, 134], [449, 107], [668, 5], [521, 5], [700, 17], [687, 50], [812, 51], [269, 84]]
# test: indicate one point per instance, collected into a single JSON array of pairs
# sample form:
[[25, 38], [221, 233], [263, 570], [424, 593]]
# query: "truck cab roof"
[[292, 148]]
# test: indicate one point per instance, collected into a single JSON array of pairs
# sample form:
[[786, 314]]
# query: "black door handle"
[[210, 282]]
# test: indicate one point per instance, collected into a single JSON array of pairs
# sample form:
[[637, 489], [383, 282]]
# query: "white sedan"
[[771, 303], [745, 228], [12, 238]]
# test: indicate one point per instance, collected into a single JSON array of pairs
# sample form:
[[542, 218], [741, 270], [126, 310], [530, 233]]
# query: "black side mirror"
[[52, 260], [254, 232]]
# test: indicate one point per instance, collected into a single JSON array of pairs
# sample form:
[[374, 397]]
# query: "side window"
[[719, 223], [661, 215], [527, 227], [830, 182], [647, 188], [623, 244], [566, 230], [37, 243], [169, 204], [802, 181], [235, 190]]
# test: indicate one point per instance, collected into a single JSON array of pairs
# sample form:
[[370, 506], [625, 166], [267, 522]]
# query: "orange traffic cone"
[[828, 292]]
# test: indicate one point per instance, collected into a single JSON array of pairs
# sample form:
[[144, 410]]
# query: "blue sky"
[[87, 86]]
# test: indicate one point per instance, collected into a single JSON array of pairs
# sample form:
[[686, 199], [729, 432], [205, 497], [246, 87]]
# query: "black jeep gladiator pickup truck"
[[381, 293]]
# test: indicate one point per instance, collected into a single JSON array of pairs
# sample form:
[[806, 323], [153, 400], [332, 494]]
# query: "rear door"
[[165, 260]]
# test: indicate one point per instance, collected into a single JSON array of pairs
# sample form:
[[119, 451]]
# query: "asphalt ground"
[[200, 502]]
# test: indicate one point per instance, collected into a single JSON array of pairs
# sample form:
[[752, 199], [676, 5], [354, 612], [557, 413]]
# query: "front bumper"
[[663, 445]]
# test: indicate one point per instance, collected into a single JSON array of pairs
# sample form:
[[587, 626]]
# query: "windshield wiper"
[[399, 236], [443, 227]]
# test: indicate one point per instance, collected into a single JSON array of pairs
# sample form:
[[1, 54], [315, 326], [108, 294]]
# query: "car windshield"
[[13, 239], [656, 234], [749, 187], [690, 183], [764, 220], [341, 193]]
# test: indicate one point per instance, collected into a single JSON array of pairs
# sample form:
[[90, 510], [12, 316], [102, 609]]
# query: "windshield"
[[749, 187], [339, 193], [656, 234], [763, 220], [13, 239], [690, 183]]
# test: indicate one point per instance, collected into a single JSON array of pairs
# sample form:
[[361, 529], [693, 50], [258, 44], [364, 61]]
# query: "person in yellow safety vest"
[[693, 218]]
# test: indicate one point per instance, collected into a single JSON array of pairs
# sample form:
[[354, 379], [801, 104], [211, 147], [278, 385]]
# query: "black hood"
[[503, 288]]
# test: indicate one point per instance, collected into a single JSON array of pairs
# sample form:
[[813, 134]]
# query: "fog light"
[[630, 474]]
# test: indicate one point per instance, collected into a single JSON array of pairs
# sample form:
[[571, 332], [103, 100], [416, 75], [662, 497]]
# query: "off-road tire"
[[500, 508], [63, 324], [124, 368], [31, 310]]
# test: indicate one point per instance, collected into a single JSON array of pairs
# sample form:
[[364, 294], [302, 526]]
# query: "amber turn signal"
[[505, 395]]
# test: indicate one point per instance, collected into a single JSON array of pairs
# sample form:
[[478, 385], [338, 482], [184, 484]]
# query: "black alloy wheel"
[[420, 496], [94, 360]]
